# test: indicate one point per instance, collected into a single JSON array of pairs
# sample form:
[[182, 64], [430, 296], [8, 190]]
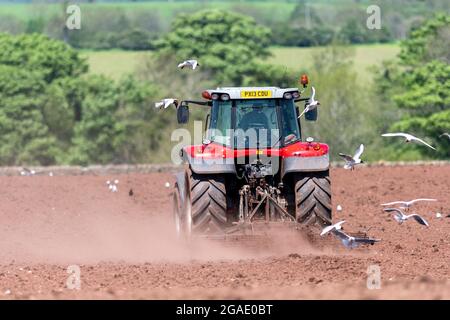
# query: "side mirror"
[[311, 115], [183, 114]]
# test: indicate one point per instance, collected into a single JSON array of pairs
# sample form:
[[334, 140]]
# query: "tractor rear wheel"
[[208, 202], [313, 198]]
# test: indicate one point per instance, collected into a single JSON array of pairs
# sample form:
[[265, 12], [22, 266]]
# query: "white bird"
[[446, 134], [189, 63], [339, 208], [167, 185], [336, 226], [350, 161], [166, 103], [408, 137], [27, 172], [406, 204], [312, 103], [353, 242], [401, 217], [112, 186], [438, 215]]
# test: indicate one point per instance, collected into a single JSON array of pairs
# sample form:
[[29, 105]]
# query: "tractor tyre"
[[313, 198], [208, 203]]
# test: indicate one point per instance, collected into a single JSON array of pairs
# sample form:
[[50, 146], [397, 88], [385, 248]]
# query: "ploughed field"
[[125, 248]]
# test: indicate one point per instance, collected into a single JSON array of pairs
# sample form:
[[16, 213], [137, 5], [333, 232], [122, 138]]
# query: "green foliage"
[[429, 42], [114, 127], [24, 136], [420, 88], [226, 43], [52, 112], [51, 58]]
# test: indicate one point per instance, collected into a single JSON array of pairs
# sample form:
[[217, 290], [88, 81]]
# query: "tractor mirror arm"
[[301, 99], [200, 103]]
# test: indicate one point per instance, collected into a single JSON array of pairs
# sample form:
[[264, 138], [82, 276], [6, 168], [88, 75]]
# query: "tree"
[[420, 87], [24, 137], [53, 59], [226, 43]]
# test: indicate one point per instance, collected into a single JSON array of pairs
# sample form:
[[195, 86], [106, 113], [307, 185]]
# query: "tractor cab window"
[[256, 123], [289, 123], [220, 126]]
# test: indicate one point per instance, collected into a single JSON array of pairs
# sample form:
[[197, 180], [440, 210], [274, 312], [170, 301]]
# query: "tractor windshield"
[[258, 123]]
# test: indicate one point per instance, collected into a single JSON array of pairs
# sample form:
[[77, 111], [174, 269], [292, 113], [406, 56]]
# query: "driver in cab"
[[254, 119]]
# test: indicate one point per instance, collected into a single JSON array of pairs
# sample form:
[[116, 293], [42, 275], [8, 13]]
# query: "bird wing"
[[394, 210], [419, 219], [346, 157], [341, 234], [313, 95], [366, 240], [327, 229], [421, 141], [182, 64], [445, 134], [393, 203], [159, 104], [167, 102], [359, 152], [397, 134], [336, 226], [422, 199], [303, 112]]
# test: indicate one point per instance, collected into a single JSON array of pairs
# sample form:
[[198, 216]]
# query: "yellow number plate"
[[256, 94]]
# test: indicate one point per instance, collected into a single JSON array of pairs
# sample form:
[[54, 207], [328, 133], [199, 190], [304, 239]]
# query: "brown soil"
[[125, 245]]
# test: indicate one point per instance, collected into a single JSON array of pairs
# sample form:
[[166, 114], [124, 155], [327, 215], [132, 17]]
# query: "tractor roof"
[[252, 92]]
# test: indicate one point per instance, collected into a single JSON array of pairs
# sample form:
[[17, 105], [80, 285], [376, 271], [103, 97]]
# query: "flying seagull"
[[166, 103], [446, 134], [350, 161], [408, 137], [336, 226], [401, 217], [406, 204], [189, 63], [353, 242], [312, 104]]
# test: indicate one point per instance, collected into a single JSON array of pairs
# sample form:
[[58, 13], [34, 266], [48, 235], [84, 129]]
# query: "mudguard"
[[209, 166], [306, 164]]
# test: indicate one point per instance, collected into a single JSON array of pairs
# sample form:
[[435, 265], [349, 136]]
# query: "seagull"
[[353, 242], [446, 134], [312, 104], [400, 217], [406, 204], [339, 208], [112, 186], [408, 137], [350, 161], [166, 103], [189, 63], [336, 226], [27, 172]]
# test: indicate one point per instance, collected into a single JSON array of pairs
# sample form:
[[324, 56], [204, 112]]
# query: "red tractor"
[[253, 167]]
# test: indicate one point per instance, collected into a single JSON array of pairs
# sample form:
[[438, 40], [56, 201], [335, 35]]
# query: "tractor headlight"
[[215, 96], [295, 94], [287, 95], [224, 97]]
